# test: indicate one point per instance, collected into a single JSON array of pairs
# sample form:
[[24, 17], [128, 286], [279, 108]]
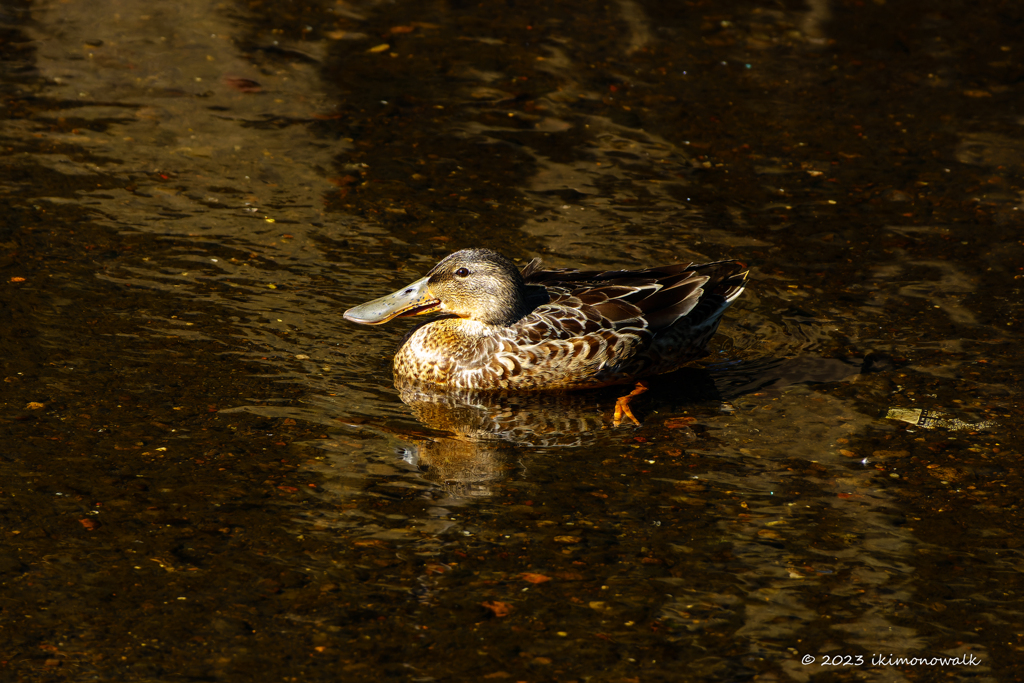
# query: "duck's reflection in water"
[[475, 438]]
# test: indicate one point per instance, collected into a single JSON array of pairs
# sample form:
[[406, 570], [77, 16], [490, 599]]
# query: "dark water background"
[[206, 474]]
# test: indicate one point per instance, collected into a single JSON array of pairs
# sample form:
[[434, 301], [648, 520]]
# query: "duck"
[[502, 328]]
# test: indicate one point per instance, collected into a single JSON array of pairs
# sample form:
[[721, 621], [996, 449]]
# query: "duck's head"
[[478, 284]]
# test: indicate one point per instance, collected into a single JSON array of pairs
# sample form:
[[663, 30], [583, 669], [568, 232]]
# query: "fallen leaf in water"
[[880, 455], [948, 473], [534, 578], [243, 84], [345, 35], [500, 609], [17, 279], [88, 524], [34, 405]]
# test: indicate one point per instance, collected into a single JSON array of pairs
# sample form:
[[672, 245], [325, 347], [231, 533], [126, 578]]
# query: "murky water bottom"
[[208, 474]]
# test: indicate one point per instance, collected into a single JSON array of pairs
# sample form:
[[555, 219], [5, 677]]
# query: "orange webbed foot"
[[622, 405]]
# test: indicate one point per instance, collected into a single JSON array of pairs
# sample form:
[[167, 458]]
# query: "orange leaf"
[[534, 578], [500, 609]]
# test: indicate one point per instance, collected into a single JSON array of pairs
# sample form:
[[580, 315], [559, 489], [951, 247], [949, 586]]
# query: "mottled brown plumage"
[[554, 329]]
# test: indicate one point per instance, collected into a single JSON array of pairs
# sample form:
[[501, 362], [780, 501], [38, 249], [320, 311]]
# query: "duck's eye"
[[462, 272]]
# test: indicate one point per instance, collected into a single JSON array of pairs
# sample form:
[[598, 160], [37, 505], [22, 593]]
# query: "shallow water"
[[206, 473]]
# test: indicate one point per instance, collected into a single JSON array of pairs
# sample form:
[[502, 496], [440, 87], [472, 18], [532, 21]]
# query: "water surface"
[[207, 474]]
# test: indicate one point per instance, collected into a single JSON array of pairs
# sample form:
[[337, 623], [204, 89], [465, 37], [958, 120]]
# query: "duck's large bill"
[[410, 300]]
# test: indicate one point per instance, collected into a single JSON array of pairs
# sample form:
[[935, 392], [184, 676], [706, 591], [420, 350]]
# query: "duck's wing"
[[597, 324], [660, 296]]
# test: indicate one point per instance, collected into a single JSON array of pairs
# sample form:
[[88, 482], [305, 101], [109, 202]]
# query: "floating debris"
[[929, 419]]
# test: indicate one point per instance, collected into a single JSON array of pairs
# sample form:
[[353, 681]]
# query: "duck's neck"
[[518, 304]]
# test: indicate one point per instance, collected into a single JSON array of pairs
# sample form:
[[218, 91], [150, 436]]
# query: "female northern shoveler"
[[554, 329]]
